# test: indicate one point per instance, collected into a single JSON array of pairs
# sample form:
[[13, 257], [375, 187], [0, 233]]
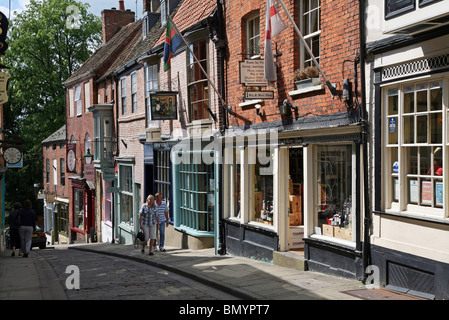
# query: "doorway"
[[296, 199]]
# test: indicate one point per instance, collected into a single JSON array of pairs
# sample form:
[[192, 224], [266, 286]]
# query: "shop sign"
[[164, 105], [89, 172], [3, 81], [108, 174], [263, 95], [112, 190], [252, 73]]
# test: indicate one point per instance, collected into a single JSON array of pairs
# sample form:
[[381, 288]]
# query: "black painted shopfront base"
[[250, 241], [411, 274], [332, 258]]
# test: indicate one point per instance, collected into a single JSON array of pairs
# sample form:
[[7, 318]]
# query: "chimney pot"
[[122, 5]]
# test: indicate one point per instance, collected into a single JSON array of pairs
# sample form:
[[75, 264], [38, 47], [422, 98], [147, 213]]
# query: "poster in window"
[[164, 105], [414, 193], [426, 192], [439, 193]]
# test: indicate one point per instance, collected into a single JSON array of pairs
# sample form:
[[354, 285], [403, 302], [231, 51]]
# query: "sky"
[[95, 6]]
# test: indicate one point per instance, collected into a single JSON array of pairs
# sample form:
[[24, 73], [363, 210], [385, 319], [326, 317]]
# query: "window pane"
[[425, 160], [393, 102], [412, 155], [436, 128], [409, 129], [436, 100], [421, 122], [409, 100], [421, 100]]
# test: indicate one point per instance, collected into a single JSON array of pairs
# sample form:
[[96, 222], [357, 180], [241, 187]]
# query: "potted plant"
[[307, 77]]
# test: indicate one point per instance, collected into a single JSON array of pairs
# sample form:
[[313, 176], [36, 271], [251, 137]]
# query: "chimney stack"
[[113, 20]]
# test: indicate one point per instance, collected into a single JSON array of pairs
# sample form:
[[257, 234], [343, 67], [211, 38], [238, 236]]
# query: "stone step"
[[290, 259]]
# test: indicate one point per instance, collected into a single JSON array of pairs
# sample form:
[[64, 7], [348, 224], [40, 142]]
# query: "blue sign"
[[392, 125], [396, 167]]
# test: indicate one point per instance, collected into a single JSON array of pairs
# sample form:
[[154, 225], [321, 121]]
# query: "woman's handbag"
[[141, 236]]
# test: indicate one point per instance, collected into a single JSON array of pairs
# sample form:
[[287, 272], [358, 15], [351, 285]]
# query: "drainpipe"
[[220, 45], [366, 253]]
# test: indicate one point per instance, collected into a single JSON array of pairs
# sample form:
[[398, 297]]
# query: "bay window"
[[198, 84], [415, 148]]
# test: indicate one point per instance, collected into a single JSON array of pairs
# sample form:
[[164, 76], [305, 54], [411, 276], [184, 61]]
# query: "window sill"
[[194, 232], [413, 216], [306, 90], [249, 103]]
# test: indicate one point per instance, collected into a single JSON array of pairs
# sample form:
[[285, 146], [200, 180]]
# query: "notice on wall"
[[414, 191], [252, 73]]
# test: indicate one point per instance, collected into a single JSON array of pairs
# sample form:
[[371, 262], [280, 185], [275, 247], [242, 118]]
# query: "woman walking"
[[27, 227], [148, 223], [14, 224]]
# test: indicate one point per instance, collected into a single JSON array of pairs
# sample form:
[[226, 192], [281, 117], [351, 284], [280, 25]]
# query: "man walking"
[[162, 211]]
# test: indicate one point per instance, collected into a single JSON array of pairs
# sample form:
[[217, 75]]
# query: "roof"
[[189, 13], [57, 136], [105, 53]]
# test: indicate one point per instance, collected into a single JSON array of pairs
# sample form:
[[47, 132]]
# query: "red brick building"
[[298, 187], [82, 93], [55, 187]]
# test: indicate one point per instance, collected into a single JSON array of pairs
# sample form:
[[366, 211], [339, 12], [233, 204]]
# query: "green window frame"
[[194, 195]]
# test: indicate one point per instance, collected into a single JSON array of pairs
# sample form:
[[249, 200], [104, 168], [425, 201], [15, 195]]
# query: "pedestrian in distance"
[[27, 227], [14, 224], [148, 223], [162, 211]]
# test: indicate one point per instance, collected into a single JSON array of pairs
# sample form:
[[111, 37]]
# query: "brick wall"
[[339, 42], [54, 151], [113, 19]]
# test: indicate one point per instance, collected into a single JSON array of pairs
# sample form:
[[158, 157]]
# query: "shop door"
[[296, 198]]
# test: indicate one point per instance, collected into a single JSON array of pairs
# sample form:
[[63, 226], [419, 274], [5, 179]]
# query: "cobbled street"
[[110, 278]]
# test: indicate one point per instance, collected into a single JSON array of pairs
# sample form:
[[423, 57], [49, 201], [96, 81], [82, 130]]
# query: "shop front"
[[288, 189], [82, 218]]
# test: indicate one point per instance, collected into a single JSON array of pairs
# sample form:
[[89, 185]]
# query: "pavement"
[[244, 278]]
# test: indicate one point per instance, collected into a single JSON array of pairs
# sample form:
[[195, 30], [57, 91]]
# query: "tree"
[[47, 42]]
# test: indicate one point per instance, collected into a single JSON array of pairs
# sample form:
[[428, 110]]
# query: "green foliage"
[[47, 43]]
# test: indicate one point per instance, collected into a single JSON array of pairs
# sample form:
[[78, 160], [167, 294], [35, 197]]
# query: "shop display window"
[[196, 192], [78, 216], [415, 148], [334, 191], [262, 185]]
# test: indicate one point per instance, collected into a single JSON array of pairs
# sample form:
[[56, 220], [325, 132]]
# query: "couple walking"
[[22, 223], [153, 218]]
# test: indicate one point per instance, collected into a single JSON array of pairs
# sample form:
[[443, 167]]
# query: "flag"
[[273, 26], [172, 43]]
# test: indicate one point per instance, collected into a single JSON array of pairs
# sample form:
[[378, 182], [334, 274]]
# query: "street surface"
[[104, 277]]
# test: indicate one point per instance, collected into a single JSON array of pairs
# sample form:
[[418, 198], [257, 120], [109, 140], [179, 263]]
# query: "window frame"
[[123, 92], [134, 92], [78, 100], [201, 83], [308, 36], [252, 34], [398, 194]]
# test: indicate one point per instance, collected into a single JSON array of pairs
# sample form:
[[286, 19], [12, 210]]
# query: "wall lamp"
[[287, 105], [88, 157], [258, 106]]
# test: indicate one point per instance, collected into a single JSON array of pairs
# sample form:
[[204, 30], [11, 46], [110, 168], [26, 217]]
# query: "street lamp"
[[88, 157]]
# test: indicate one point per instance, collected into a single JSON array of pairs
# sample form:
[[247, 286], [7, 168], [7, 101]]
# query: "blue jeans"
[[161, 233]]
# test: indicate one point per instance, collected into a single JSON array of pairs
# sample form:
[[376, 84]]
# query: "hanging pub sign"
[[3, 84], [164, 105], [71, 158]]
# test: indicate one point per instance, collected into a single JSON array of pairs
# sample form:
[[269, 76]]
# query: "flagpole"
[[306, 46], [198, 62]]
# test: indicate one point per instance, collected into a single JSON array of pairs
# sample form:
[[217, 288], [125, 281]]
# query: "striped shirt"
[[148, 215], [161, 211]]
